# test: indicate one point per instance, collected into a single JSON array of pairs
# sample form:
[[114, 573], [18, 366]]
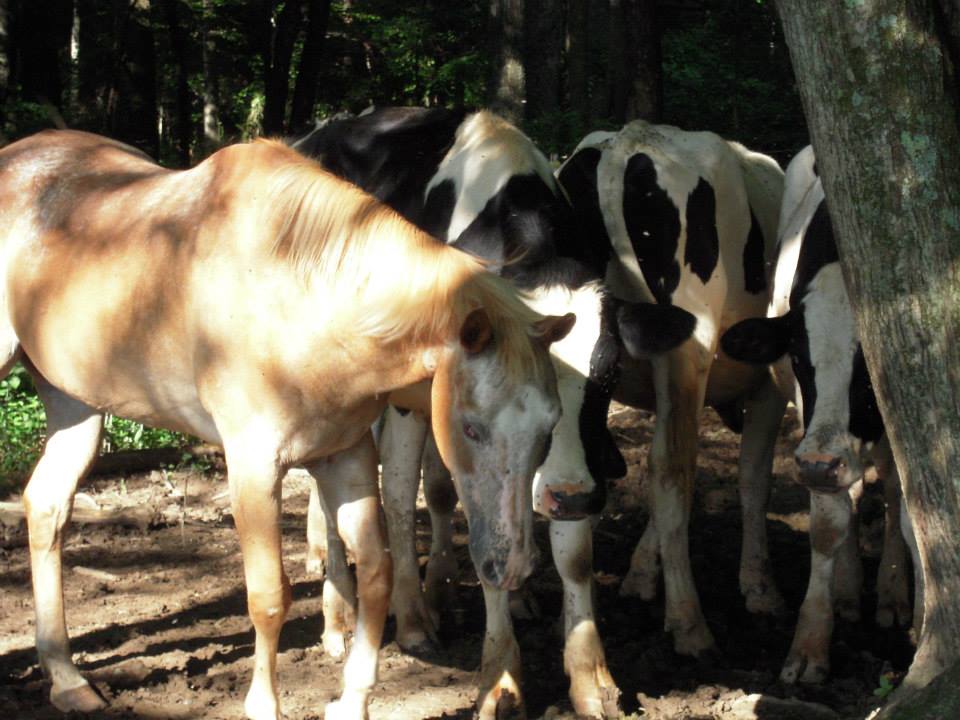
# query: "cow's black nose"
[[821, 472]]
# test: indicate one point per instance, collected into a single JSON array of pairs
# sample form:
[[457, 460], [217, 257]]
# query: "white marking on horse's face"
[[492, 434], [566, 463], [832, 337]]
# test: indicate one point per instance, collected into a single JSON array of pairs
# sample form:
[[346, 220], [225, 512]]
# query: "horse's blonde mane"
[[408, 287]]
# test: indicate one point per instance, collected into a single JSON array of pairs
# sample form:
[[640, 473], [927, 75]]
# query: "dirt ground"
[[157, 612]]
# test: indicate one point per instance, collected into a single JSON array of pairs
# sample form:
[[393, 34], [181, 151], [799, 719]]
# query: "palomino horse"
[[257, 302]]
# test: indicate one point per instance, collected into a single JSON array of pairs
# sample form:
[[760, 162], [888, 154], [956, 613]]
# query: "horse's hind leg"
[[73, 437], [348, 481]]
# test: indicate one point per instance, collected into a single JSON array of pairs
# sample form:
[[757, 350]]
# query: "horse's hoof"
[[334, 645], [604, 705], [802, 669], [82, 699], [509, 707]]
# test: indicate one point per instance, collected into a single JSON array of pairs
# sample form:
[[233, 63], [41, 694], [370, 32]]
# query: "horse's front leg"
[[348, 481], [73, 438], [254, 480], [499, 697]]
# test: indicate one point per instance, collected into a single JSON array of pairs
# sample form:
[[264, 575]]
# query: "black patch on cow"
[[647, 329], [865, 420], [653, 224], [819, 248], [754, 265], [603, 458], [803, 368], [703, 244], [589, 239], [760, 341], [391, 153], [521, 226], [438, 209]]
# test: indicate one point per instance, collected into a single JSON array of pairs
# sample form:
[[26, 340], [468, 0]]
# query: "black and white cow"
[[477, 182], [687, 219], [811, 341]]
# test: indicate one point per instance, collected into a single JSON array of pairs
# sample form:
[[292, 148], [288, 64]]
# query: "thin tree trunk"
[[4, 57], [508, 85], [305, 91], [577, 66], [643, 62], [43, 45], [543, 51], [883, 119], [277, 82], [211, 96], [617, 78], [176, 18], [599, 57]]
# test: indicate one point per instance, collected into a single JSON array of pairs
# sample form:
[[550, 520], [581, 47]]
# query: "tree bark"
[[42, 45], [883, 119], [643, 89], [305, 91], [543, 51], [577, 65], [277, 82], [176, 17], [211, 96], [507, 90]]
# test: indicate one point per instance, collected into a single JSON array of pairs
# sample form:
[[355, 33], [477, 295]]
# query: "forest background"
[[180, 78]]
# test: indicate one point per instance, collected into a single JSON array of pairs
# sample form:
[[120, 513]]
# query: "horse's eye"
[[471, 432]]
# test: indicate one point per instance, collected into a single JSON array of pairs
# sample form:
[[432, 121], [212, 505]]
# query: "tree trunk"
[[43, 46], [577, 65], [4, 57], [543, 50], [507, 89], [176, 18], [599, 57], [305, 91], [883, 119], [211, 96], [643, 63], [277, 82], [134, 111]]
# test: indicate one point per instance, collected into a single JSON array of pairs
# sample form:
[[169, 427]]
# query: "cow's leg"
[[592, 689], [348, 481], [499, 697], [848, 569], [680, 380], [893, 591], [73, 438], [440, 584], [830, 523], [641, 579], [339, 587], [401, 447], [763, 411], [316, 563]]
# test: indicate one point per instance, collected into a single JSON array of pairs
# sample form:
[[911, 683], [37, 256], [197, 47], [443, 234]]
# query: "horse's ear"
[[476, 332], [554, 328]]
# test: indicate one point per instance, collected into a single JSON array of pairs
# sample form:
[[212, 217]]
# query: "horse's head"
[[493, 425]]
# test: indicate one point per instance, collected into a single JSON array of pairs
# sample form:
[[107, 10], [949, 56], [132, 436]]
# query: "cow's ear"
[[614, 466], [759, 341], [647, 329]]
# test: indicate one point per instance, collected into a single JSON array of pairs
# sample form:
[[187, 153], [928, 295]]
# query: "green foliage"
[[22, 426], [23, 430]]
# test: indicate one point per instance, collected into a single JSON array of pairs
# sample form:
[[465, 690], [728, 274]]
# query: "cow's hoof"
[[894, 614], [419, 646], [81, 699], [848, 609], [801, 669], [695, 641]]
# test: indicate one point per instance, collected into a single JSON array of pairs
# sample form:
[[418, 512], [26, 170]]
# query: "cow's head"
[[571, 482], [840, 413]]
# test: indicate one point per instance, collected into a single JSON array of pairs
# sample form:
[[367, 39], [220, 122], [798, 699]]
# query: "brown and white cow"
[[811, 341], [687, 219]]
